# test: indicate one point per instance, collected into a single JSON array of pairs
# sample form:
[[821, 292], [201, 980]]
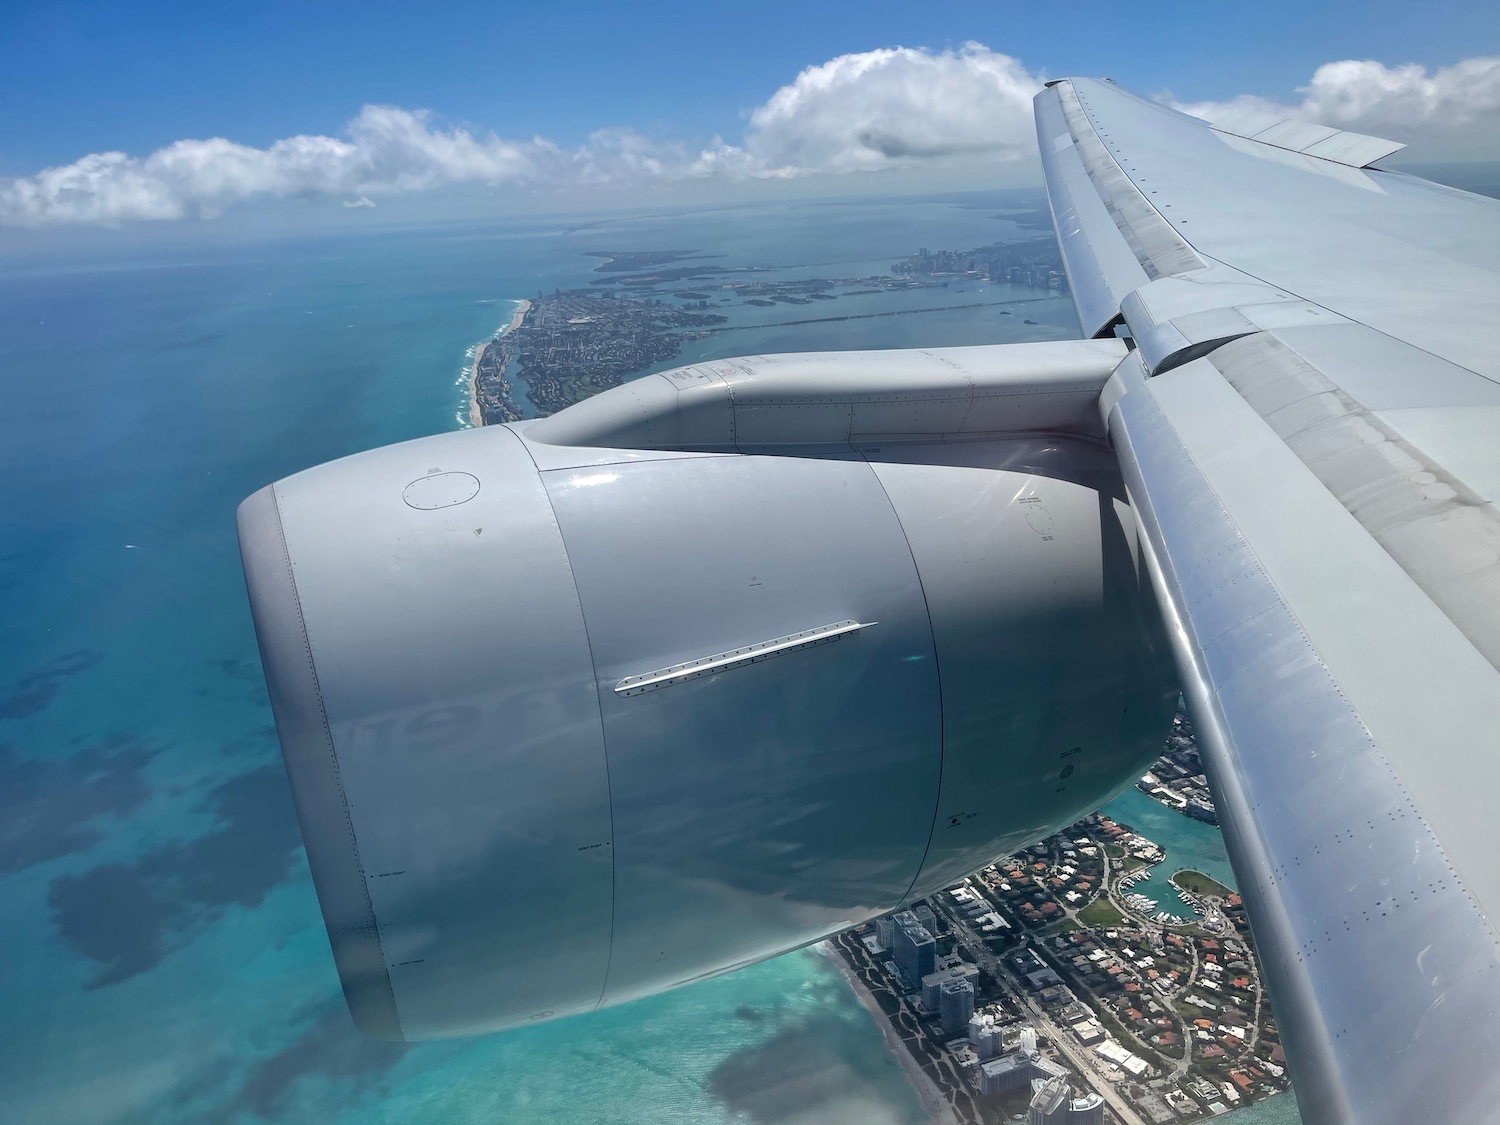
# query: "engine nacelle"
[[569, 726]]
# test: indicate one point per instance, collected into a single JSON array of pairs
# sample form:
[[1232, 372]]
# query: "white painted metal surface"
[[1315, 464], [1415, 262]]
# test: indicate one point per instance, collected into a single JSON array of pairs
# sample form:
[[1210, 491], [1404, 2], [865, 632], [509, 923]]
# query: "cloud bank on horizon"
[[1403, 103], [892, 108]]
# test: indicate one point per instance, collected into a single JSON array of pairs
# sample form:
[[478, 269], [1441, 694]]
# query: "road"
[[1082, 1060]]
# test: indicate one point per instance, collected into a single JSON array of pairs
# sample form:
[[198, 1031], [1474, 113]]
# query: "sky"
[[180, 113]]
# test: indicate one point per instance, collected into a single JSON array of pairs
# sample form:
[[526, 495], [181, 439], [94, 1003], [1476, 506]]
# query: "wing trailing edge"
[[1307, 428]]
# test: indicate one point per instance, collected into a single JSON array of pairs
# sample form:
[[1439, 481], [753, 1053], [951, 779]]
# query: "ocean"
[[164, 957]]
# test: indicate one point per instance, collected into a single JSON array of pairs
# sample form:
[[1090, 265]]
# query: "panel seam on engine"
[[338, 776], [583, 622], [937, 667]]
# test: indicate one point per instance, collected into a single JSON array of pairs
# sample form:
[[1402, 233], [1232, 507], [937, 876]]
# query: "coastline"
[[476, 416], [939, 1112]]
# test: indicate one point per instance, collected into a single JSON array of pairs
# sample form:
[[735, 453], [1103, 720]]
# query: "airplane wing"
[[1309, 429]]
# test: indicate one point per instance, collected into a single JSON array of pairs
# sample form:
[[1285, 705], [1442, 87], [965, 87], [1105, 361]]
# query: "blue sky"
[[81, 78]]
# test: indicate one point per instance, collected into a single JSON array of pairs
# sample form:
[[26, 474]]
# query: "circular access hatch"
[[440, 490]]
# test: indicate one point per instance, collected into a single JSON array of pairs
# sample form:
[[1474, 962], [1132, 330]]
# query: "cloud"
[[874, 110], [867, 111], [898, 107], [388, 150], [1404, 103]]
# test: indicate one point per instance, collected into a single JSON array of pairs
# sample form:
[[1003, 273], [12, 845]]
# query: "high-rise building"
[[885, 930], [956, 1004], [1049, 1102], [1052, 1103], [932, 983], [985, 1036], [916, 952], [926, 917], [1087, 1110], [1001, 1075]]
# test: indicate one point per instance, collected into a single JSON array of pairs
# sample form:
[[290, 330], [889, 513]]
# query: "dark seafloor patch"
[[804, 1072], [35, 691], [128, 916], [46, 805], [331, 1048]]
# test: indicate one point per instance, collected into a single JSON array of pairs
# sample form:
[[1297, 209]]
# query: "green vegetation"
[[1200, 884], [1100, 913]]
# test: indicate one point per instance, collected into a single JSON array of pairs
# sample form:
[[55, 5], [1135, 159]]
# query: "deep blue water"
[[164, 956]]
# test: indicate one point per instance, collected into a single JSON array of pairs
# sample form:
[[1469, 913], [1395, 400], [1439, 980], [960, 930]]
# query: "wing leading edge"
[[1306, 426]]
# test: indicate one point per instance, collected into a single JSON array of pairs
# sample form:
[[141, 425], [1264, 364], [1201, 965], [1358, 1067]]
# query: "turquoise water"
[[1280, 1110], [164, 957], [1189, 844]]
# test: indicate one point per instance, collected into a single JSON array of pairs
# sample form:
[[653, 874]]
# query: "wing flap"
[[1305, 428], [1383, 966], [1354, 150]]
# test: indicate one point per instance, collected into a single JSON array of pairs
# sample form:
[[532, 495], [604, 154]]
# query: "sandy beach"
[[476, 417], [937, 1107]]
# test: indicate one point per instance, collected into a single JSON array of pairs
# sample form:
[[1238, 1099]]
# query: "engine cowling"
[[567, 726]]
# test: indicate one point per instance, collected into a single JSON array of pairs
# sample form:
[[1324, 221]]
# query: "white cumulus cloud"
[[1404, 103], [870, 110], [892, 108], [885, 108], [387, 150]]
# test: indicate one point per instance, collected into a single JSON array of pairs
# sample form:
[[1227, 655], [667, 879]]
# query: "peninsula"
[[562, 348]]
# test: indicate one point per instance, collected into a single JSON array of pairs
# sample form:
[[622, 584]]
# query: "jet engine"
[[702, 670]]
